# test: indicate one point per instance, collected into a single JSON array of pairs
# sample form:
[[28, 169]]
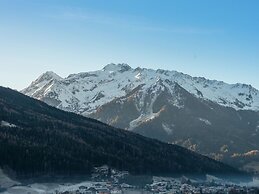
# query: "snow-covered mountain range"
[[83, 93], [211, 117]]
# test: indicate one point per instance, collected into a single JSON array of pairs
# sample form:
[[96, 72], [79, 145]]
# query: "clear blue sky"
[[217, 39]]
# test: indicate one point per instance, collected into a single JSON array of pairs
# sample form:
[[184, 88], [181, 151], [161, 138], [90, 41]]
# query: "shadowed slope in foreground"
[[37, 139]]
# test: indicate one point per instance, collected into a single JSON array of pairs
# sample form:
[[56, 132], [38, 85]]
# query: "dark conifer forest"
[[44, 140]]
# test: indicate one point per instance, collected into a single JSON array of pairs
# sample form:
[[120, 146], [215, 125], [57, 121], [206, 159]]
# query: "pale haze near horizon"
[[213, 39]]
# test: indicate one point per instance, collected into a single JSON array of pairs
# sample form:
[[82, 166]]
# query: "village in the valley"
[[109, 181]]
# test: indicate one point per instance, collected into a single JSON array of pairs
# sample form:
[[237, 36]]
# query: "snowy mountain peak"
[[121, 67], [42, 83], [47, 76]]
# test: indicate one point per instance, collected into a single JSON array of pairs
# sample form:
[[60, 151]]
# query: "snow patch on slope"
[[148, 113], [168, 129], [207, 122], [6, 124]]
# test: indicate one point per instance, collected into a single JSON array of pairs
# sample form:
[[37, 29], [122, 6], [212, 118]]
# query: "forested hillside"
[[37, 139]]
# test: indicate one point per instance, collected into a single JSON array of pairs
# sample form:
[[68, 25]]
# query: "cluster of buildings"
[[95, 188], [109, 181], [186, 186]]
